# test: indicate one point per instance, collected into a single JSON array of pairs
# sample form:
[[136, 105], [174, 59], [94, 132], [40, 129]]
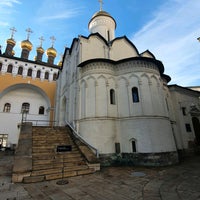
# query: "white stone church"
[[119, 99]]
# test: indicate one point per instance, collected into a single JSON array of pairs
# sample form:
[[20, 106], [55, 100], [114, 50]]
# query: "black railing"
[[77, 135]]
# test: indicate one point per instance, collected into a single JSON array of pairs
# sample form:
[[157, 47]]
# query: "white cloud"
[[65, 9], [9, 3], [171, 37], [60, 15], [6, 10]]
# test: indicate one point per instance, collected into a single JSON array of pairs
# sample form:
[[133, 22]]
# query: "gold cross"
[[101, 4], [53, 39], [41, 40], [13, 30], [29, 31]]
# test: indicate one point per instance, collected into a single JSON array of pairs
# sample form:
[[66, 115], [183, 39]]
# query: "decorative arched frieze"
[[102, 77], [83, 82], [153, 77], [93, 78], [125, 79], [146, 76]]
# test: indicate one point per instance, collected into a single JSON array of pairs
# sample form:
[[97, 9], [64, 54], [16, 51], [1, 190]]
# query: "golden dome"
[[13, 52], [40, 49], [26, 44], [102, 13], [51, 52], [11, 41], [60, 63]]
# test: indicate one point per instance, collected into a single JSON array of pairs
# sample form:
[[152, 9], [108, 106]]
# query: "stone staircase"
[[48, 163]]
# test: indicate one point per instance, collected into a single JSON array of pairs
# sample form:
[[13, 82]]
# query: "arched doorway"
[[196, 126]]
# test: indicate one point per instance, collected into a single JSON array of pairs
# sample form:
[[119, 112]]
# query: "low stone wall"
[[139, 159], [23, 154]]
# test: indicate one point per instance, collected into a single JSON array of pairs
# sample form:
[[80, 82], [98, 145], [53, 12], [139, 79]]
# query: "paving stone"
[[180, 182]]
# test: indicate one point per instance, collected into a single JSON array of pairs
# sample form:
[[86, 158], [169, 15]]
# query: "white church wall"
[[91, 97], [134, 81], [183, 100], [101, 133], [101, 97], [121, 49], [16, 98], [89, 48], [146, 95], [10, 128], [151, 135], [123, 97]]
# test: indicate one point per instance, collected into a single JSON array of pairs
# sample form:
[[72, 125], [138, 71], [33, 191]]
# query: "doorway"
[[196, 126]]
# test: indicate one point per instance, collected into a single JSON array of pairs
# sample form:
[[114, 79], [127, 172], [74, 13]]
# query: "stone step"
[[74, 151], [58, 170], [58, 165], [47, 163], [69, 174], [75, 168], [57, 156], [53, 161], [33, 179], [46, 171]]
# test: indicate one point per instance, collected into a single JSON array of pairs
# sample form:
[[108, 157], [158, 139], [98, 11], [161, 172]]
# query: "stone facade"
[[119, 100]]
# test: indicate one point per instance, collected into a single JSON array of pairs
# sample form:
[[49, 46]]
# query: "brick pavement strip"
[[180, 182]]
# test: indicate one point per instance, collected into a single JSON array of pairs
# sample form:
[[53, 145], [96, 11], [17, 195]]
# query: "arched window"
[[46, 75], [25, 108], [38, 74], [133, 145], [41, 110], [20, 70], [10, 68], [135, 95], [0, 66], [29, 72], [112, 96], [54, 76], [7, 107]]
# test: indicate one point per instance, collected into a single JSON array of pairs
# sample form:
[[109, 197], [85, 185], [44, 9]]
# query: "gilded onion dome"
[[51, 52], [26, 44], [40, 50], [13, 52], [60, 63], [11, 41]]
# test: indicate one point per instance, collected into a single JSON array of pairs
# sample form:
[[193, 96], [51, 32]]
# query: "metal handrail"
[[77, 135]]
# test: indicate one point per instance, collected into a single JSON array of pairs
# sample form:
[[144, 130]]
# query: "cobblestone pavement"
[[180, 182]]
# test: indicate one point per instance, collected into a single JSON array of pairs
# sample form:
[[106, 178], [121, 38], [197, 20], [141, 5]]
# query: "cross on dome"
[[41, 40], [101, 4], [29, 31], [13, 30], [53, 39]]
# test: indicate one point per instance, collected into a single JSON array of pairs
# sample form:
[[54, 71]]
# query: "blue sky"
[[167, 28]]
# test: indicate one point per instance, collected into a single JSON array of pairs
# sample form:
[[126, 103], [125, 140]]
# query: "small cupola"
[[51, 52], [40, 51], [26, 45], [10, 43]]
